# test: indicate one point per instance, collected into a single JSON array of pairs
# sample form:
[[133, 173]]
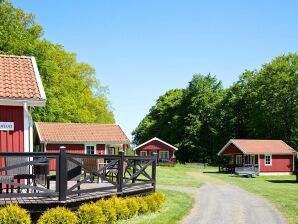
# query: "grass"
[[176, 206], [178, 175]]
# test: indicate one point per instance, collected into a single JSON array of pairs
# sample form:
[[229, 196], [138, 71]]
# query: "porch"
[[78, 178], [229, 163]]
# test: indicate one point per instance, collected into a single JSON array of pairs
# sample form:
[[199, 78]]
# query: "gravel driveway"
[[224, 203]]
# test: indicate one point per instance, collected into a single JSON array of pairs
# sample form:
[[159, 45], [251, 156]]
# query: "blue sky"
[[141, 49]]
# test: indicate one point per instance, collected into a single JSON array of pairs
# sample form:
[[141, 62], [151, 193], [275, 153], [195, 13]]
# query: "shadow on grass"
[[283, 181], [214, 172]]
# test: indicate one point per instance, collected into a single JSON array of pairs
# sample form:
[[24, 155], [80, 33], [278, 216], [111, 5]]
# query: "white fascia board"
[[38, 133], [20, 102], [38, 79], [155, 138]]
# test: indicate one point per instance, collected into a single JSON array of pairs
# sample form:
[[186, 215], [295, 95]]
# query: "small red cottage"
[[20, 89], [164, 150], [270, 156], [103, 139]]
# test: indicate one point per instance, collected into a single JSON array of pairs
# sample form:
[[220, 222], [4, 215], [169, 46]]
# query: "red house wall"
[[231, 149], [156, 146], [12, 141], [280, 163], [70, 148]]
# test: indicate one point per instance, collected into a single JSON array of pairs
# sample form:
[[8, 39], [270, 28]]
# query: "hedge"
[[102, 211], [13, 214]]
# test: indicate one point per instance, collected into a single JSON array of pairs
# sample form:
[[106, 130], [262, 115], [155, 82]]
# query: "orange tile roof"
[[18, 79], [251, 146], [80, 132]]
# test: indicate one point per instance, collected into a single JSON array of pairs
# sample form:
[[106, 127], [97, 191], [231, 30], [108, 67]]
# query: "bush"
[[13, 214], [133, 206], [143, 207], [91, 213], [108, 209], [120, 205], [57, 215]]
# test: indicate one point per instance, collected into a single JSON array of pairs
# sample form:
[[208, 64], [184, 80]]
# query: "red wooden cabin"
[[270, 156], [20, 89], [103, 139], [164, 150]]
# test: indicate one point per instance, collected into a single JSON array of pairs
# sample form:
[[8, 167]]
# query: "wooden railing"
[[28, 174]]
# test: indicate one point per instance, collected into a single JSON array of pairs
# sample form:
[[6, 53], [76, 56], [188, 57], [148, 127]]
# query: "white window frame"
[[265, 161], [92, 146], [143, 152], [241, 159], [160, 152], [252, 159]]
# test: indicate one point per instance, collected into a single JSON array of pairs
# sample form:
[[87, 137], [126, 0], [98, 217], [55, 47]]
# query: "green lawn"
[[176, 206], [179, 175]]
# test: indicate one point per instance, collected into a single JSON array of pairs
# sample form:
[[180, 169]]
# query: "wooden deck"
[[40, 204], [74, 182]]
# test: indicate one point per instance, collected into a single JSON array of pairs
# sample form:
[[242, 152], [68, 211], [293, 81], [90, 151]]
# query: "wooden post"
[[62, 174], [154, 171], [134, 170], [120, 171]]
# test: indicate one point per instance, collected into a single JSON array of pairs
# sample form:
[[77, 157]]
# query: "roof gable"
[[20, 81], [51, 132], [155, 139]]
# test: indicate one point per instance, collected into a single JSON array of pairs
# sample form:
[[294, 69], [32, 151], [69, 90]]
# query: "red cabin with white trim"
[[20, 89], [82, 138], [270, 156], [164, 150]]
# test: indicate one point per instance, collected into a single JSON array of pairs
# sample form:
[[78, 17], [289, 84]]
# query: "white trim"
[[226, 145], [275, 173], [38, 79], [155, 138], [26, 115], [38, 133], [270, 160], [85, 148], [143, 151], [20, 102]]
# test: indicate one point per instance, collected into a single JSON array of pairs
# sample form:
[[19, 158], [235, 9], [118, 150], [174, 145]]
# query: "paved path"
[[227, 204]]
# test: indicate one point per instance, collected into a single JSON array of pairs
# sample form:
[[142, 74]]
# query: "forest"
[[200, 119], [73, 92]]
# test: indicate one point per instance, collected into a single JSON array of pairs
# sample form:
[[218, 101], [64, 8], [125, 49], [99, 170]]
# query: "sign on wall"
[[6, 126]]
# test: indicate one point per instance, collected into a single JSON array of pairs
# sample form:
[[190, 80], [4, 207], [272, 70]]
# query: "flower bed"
[[102, 211]]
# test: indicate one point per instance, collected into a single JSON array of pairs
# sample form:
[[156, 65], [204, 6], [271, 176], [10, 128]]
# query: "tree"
[[200, 120], [162, 120], [73, 92]]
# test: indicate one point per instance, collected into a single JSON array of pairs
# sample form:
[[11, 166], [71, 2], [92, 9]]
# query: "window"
[[252, 159], [143, 153], [90, 149], [111, 151], [164, 155], [268, 160], [238, 159]]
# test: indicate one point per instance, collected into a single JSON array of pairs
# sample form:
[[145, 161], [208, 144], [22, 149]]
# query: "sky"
[[141, 49]]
